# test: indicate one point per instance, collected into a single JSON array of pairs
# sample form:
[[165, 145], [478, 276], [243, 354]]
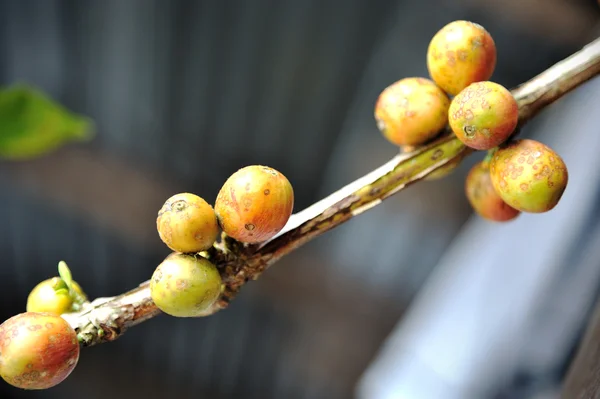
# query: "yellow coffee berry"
[[185, 285], [187, 223], [411, 111], [461, 53], [254, 204], [52, 296], [528, 175]]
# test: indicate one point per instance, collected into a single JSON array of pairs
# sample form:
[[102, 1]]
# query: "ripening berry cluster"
[[253, 205], [39, 349], [517, 175]]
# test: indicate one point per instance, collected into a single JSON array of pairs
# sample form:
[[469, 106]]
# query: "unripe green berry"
[[483, 115], [187, 223], [528, 175], [185, 285], [411, 111], [459, 54], [483, 197], [37, 350], [254, 204], [52, 296]]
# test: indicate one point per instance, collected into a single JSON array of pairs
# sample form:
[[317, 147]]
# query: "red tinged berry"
[[254, 204], [483, 197], [484, 115], [37, 350]]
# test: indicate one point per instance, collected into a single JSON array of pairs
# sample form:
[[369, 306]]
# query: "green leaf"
[[65, 274], [32, 124]]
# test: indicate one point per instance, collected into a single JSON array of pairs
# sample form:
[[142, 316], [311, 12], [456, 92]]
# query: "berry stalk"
[[105, 319]]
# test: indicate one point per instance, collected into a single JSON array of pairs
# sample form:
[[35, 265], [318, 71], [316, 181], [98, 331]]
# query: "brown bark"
[[106, 319]]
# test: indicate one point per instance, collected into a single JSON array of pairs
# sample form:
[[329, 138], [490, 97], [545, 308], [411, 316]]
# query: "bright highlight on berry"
[[459, 54], [411, 111], [52, 296], [254, 204], [57, 295]]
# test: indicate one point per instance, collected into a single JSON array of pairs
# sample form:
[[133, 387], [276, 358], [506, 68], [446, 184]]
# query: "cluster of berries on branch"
[[517, 175], [39, 349]]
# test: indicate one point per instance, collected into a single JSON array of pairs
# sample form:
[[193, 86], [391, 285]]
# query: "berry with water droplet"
[[185, 285], [37, 350], [187, 223], [461, 53], [483, 197], [411, 111], [254, 204], [483, 115], [528, 175]]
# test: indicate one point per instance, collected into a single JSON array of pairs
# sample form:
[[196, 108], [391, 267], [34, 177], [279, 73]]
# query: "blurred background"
[[415, 299]]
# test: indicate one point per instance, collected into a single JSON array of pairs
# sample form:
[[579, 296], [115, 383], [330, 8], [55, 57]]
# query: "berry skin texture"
[[528, 175], [411, 111], [185, 285], [52, 296], [254, 204], [459, 54], [483, 115], [187, 223], [483, 197], [37, 350]]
